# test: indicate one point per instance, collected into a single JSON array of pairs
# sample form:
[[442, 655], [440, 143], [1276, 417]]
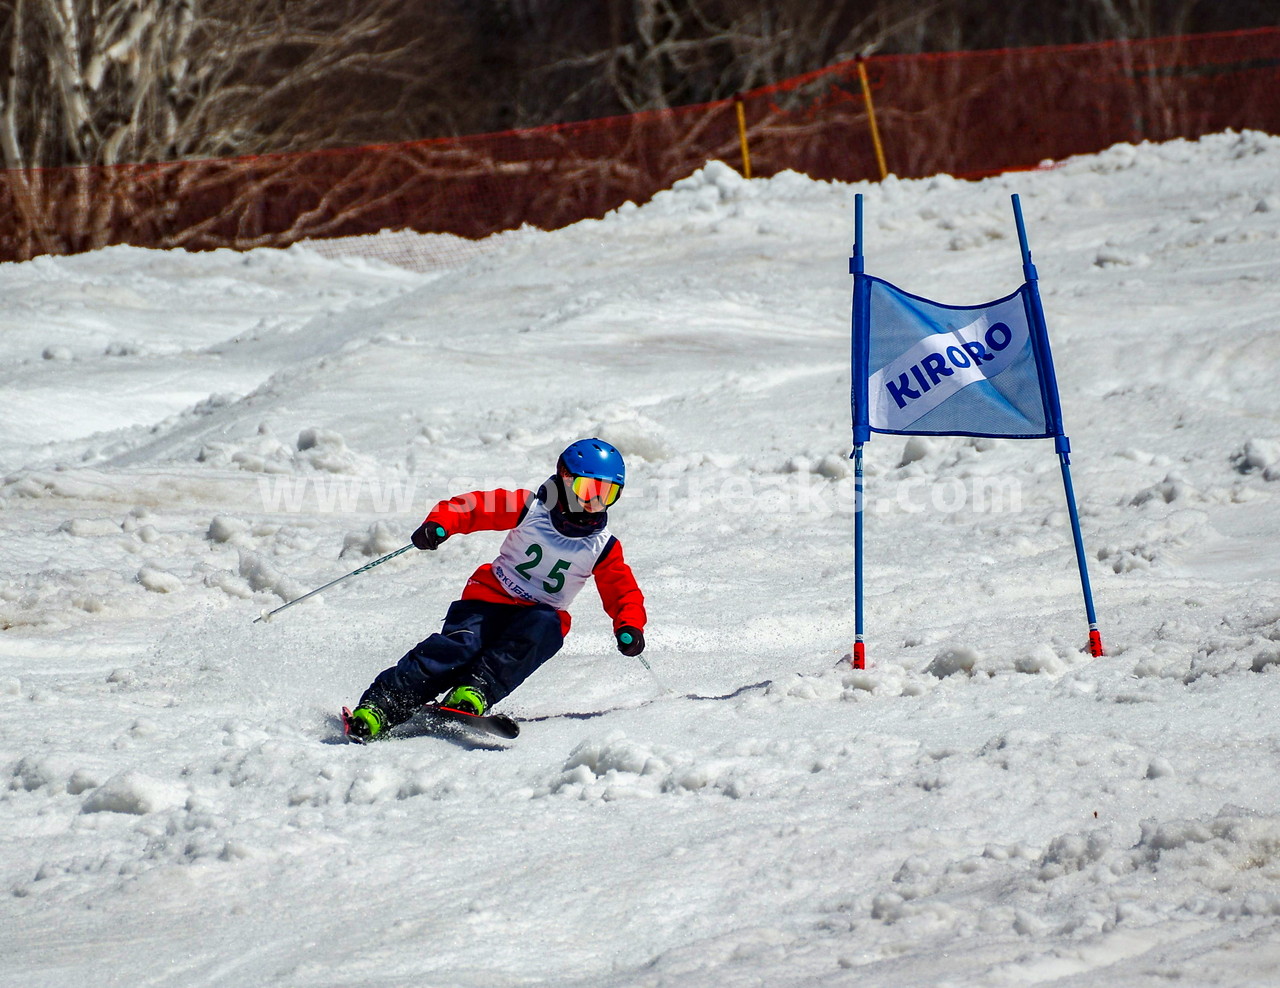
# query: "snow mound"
[[315, 450], [135, 793], [377, 540], [1259, 456], [617, 767]]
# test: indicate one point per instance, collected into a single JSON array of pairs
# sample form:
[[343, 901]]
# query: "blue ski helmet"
[[594, 458], [593, 470]]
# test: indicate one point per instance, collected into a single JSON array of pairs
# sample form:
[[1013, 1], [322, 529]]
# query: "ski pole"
[[656, 678], [626, 640], [267, 615]]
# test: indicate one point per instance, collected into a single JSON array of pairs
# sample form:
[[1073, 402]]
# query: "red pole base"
[[859, 655], [1095, 644]]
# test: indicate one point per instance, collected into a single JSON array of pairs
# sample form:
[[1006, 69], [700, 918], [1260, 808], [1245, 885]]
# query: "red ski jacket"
[[502, 510]]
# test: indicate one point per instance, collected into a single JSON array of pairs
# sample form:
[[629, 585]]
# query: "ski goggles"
[[590, 491]]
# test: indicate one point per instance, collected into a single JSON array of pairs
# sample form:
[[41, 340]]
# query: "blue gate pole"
[[1095, 636], [1053, 418], [861, 423], [859, 645]]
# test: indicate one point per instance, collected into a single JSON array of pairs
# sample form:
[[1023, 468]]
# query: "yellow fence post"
[[742, 135], [871, 118]]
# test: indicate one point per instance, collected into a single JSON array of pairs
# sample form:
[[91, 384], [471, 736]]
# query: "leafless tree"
[[109, 81], [105, 81], [627, 56], [560, 60]]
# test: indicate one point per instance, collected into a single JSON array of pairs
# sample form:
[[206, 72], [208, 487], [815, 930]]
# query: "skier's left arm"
[[622, 599]]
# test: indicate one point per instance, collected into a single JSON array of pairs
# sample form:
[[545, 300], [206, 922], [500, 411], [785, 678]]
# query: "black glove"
[[630, 640], [429, 536]]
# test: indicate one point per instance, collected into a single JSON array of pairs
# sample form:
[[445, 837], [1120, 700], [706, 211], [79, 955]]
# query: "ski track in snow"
[[188, 440]]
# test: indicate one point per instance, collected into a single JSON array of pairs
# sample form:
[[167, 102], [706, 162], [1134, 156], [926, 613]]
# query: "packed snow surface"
[[188, 441]]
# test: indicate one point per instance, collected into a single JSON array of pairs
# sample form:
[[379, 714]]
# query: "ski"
[[494, 725], [497, 725]]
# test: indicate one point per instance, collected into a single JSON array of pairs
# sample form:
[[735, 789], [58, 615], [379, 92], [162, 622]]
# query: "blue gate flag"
[[953, 370], [921, 368]]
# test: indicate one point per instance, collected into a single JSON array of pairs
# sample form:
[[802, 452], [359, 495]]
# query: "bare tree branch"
[[107, 81]]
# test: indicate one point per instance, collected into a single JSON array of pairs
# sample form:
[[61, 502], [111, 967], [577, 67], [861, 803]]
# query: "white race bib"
[[538, 564]]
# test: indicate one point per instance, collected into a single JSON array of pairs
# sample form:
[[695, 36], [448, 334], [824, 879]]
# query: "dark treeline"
[[107, 81], [550, 61]]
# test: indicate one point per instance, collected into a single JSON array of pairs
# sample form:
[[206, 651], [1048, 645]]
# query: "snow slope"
[[189, 440]]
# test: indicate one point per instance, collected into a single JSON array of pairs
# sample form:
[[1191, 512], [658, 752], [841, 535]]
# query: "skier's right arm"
[[477, 511]]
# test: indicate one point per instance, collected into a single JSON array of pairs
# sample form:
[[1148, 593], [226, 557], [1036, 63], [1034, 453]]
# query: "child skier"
[[513, 614]]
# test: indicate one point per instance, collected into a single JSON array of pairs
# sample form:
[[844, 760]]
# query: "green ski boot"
[[364, 723], [468, 699]]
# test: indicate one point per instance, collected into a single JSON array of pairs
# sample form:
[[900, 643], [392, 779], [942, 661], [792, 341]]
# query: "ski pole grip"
[[626, 638], [430, 536]]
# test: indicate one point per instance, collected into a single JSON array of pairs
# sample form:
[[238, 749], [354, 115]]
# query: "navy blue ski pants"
[[493, 646]]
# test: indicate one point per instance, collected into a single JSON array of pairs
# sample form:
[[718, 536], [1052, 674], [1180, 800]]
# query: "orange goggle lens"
[[590, 491]]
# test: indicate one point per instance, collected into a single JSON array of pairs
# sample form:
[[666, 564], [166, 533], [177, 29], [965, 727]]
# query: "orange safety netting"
[[966, 114]]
